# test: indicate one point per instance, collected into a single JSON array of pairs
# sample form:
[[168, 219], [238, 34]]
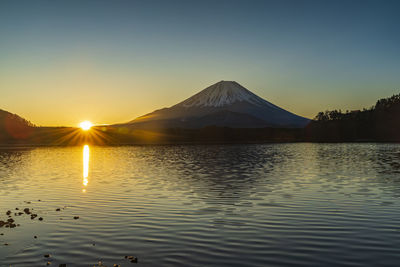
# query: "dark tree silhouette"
[[378, 123]]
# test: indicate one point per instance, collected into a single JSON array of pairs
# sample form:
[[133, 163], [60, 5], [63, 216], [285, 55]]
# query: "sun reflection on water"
[[85, 166]]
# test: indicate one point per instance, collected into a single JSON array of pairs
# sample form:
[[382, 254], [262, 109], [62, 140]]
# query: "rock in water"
[[133, 259]]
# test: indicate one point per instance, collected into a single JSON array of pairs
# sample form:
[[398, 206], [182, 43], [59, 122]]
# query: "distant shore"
[[124, 136]]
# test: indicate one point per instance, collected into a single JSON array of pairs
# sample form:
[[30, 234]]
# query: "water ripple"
[[215, 205]]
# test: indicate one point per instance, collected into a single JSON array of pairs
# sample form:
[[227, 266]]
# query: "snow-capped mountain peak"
[[225, 103], [221, 94]]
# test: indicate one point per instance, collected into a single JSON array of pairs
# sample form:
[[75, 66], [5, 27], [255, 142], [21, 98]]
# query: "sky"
[[62, 62]]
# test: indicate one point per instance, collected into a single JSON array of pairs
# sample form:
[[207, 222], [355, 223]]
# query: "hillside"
[[378, 123], [13, 127]]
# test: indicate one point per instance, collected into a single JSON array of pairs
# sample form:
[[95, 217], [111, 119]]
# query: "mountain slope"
[[13, 126], [225, 103]]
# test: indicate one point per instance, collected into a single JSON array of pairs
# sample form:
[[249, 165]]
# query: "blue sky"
[[62, 62]]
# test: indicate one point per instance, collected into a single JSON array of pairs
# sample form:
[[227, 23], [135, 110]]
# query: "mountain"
[[13, 126], [224, 104]]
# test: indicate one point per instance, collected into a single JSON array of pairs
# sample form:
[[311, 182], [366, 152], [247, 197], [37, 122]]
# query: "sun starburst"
[[85, 125]]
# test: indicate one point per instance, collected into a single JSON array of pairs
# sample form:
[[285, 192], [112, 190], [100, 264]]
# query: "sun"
[[85, 125]]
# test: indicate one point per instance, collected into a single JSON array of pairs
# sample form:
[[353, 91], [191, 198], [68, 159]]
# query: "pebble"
[[8, 224], [133, 259]]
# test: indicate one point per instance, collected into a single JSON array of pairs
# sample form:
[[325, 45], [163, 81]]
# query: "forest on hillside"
[[379, 123]]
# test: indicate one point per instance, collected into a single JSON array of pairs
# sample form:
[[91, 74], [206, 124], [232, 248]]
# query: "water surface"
[[199, 205]]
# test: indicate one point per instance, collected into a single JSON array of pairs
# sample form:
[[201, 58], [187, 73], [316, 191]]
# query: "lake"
[[202, 205]]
